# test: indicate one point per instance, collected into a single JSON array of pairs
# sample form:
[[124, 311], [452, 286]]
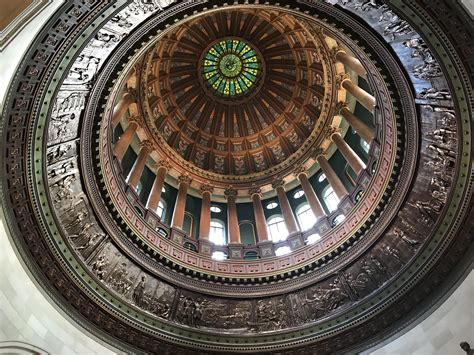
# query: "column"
[[351, 157], [352, 62], [124, 142], [360, 127], [205, 221], [309, 193], [155, 194], [288, 215], [332, 177], [180, 205], [136, 173], [232, 219], [366, 99], [121, 108], [260, 221]]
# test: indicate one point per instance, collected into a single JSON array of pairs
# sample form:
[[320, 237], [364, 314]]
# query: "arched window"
[[190, 246], [139, 188], [282, 251], [338, 220], [322, 177], [188, 224], [251, 255], [298, 194], [277, 228], [313, 238], [365, 145], [305, 216], [217, 232], [216, 209], [330, 198], [219, 255], [247, 233], [271, 205], [160, 211]]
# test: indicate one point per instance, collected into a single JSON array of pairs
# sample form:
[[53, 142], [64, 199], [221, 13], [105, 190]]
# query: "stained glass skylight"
[[231, 68]]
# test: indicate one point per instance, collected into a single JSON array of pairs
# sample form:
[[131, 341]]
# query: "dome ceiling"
[[118, 272], [236, 92]]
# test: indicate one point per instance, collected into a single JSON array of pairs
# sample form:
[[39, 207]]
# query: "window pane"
[[216, 234], [331, 199], [219, 255], [298, 194], [305, 217], [161, 209], [277, 228], [272, 205], [365, 145], [216, 209]]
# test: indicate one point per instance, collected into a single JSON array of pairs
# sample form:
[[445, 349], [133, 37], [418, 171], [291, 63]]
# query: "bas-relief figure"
[[61, 152], [63, 189]]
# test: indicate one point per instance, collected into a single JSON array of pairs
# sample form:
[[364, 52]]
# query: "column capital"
[[299, 170], [230, 192], [340, 105], [340, 78], [318, 152], [255, 191], [135, 119], [131, 91], [278, 183], [331, 130], [147, 145], [206, 188], [184, 179], [336, 50], [162, 164]]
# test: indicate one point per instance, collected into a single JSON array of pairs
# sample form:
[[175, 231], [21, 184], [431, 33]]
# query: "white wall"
[[443, 330]]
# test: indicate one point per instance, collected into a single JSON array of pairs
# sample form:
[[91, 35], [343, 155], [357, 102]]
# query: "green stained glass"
[[231, 68]]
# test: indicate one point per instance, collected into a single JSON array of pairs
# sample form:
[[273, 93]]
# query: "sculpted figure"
[[391, 251], [64, 188], [426, 210], [63, 169], [83, 235], [433, 94], [404, 237], [59, 152], [139, 291], [99, 266]]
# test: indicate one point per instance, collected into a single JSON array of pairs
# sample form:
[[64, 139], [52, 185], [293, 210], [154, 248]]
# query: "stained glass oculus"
[[231, 68]]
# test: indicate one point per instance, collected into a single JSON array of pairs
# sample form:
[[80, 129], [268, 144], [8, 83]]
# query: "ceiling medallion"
[[231, 68]]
